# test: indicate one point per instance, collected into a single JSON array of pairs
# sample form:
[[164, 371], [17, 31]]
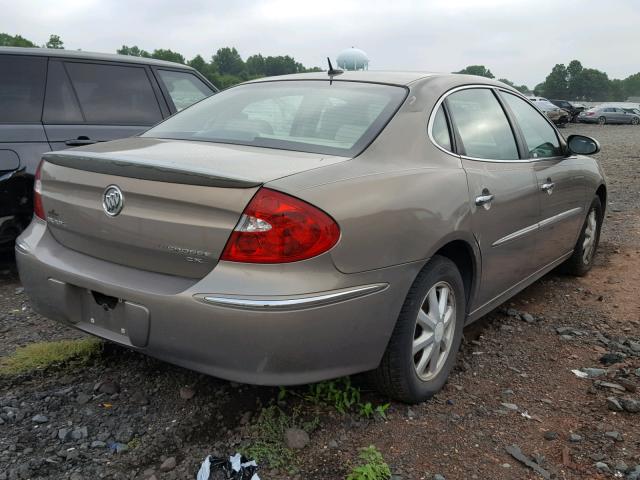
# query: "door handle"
[[78, 142], [548, 186], [485, 199]]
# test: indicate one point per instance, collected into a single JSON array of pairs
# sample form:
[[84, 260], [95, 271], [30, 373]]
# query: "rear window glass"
[[184, 88], [340, 118], [21, 88], [114, 94]]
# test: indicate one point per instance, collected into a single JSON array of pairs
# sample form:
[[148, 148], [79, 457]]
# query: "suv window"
[[484, 129], [540, 137], [440, 130], [60, 104], [184, 88], [114, 94], [21, 88]]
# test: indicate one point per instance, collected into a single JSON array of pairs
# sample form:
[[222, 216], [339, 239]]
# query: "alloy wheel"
[[434, 332], [589, 242]]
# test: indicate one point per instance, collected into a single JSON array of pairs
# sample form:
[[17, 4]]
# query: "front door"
[[560, 185], [502, 191]]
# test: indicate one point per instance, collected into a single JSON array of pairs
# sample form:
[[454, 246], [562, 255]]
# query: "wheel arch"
[[464, 252], [601, 192]]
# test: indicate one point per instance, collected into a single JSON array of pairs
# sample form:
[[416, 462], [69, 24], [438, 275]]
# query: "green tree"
[[520, 88], [595, 85], [227, 61], [7, 40], [632, 85], [255, 65], [555, 85], [55, 42], [574, 72], [616, 90], [133, 51], [168, 55], [479, 70]]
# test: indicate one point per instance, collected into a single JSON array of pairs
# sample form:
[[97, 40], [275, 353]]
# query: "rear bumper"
[[588, 119], [267, 325]]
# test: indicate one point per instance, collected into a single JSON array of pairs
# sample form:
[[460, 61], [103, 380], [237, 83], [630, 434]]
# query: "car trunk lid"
[[181, 199]]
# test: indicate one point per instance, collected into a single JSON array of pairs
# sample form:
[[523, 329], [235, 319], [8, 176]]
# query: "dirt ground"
[[513, 385]]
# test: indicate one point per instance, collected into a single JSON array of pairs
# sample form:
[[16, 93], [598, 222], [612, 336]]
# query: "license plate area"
[[115, 318]]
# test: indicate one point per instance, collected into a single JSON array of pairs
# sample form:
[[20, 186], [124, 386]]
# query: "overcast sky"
[[517, 39]]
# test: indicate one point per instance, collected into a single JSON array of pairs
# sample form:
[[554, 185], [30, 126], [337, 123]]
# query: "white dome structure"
[[353, 59]]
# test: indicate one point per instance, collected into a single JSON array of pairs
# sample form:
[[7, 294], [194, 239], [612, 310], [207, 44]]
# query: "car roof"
[[81, 55], [404, 78]]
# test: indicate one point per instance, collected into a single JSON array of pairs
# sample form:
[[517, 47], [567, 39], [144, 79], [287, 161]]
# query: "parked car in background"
[[55, 99], [573, 109], [556, 114], [603, 115], [634, 111], [299, 228]]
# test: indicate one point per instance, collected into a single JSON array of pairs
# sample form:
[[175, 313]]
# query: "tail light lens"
[[590, 114], [38, 209], [278, 228]]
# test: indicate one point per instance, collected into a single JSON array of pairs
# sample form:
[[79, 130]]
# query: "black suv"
[[573, 110], [55, 99]]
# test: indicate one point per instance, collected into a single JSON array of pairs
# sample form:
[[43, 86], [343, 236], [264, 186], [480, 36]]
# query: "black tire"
[[602, 120], [578, 264], [635, 121], [397, 374]]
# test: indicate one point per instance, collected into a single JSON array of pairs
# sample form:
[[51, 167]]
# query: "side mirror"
[[582, 145]]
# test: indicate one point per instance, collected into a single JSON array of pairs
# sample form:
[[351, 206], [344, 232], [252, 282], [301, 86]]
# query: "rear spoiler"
[[168, 173]]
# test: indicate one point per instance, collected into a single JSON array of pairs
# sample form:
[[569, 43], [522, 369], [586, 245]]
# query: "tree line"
[[573, 82], [226, 67]]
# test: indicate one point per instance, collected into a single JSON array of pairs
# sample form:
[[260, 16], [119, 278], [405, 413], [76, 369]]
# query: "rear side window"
[[184, 88], [21, 88], [484, 129], [114, 94], [440, 130], [540, 137], [318, 116], [60, 104]]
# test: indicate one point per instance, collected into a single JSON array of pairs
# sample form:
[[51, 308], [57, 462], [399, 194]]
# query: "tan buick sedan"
[[295, 229]]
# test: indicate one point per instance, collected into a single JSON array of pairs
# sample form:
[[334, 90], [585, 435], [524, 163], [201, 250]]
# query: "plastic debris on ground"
[[236, 467]]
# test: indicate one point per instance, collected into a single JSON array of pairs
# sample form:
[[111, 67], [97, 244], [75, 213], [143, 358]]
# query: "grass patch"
[[267, 444], [44, 354], [340, 394], [373, 467]]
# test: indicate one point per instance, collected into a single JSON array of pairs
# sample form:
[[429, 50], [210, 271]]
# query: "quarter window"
[[440, 130], [540, 137], [484, 129], [60, 105], [21, 88], [184, 88], [114, 94]]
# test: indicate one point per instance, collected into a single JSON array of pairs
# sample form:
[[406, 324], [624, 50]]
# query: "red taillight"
[[278, 228], [589, 114], [38, 209]]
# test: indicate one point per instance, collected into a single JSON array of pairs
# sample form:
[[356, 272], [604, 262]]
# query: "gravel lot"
[[122, 415]]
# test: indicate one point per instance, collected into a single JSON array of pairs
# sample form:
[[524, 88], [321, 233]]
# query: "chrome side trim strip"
[[559, 217], [22, 247], [541, 224], [517, 234], [294, 303]]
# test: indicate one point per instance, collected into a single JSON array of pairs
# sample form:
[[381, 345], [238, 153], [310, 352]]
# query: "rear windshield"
[[338, 118]]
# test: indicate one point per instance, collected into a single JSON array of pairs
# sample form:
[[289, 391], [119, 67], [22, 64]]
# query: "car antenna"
[[332, 71]]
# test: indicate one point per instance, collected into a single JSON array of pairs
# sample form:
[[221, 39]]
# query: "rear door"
[[502, 188], [561, 184], [95, 102]]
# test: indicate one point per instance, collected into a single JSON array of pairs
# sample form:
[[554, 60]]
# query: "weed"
[[135, 442], [267, 444], [373, 468], [344, 397], [44, 354]]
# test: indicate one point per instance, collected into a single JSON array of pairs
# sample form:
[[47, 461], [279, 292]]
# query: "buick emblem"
[[112, 200]]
